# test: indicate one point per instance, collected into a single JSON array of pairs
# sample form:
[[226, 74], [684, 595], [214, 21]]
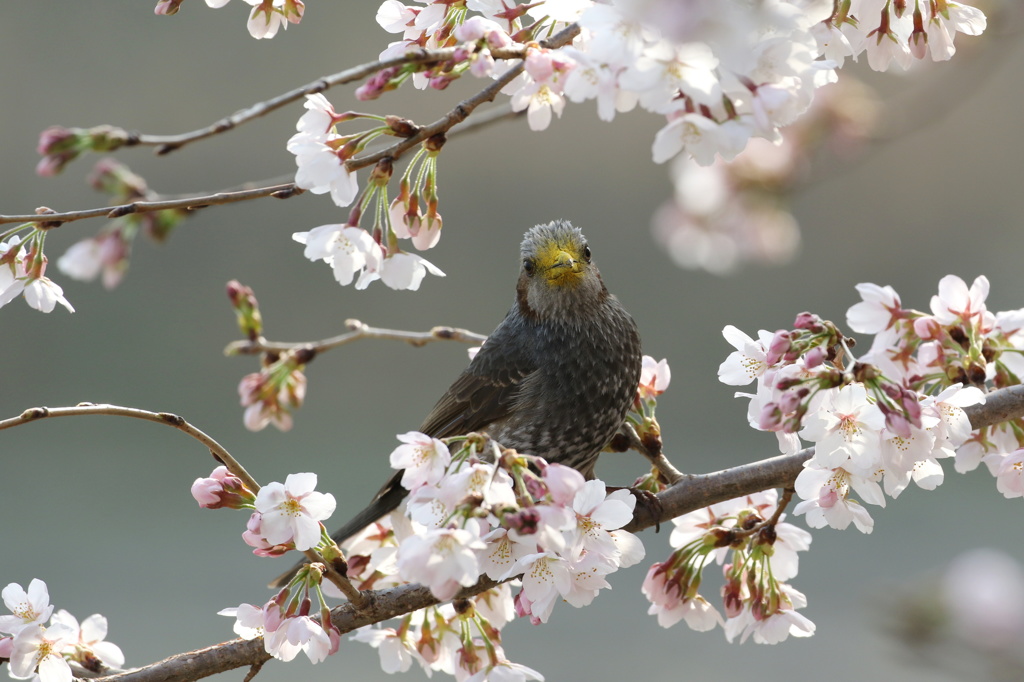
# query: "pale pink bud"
[[919, 44], [770, 417], [897, 423], [927, 328], [779, 346], [815, 357], [808, 321]]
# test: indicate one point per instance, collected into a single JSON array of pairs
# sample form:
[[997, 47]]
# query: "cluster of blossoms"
[[757, 557], [720, 72], [468, 517], [473, 510], [718, 88], [22, 260], [887, 419], [285, 516], [320, 153], [44, 652]]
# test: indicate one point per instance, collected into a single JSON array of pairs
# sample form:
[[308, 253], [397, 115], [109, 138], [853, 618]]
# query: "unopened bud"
[[435, 142], [401, 127], [780, 344], [808, 321], [815, 357]]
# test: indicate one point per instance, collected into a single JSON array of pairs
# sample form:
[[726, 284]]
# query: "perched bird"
[[556, 377]]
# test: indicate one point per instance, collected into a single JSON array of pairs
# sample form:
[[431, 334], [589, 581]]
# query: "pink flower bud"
[[790, 401], [770, 417], [927, 328], [815, 357], [167, 7], [808, 321], [897, 423], [780, 345], [919, 44]]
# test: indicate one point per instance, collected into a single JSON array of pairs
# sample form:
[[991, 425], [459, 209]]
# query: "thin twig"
[[218, 451], [278, 190], [166, 418], [360, 330], [444, 124], [186, 203], [169, 143]]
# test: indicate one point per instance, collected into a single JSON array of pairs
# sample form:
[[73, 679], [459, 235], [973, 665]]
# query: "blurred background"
[[99, 507]]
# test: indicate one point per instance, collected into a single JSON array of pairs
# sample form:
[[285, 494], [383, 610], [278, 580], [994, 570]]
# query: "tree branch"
[[691, 493], [55, 219], [444, 124], [166, 418], [169, 143], [360, 330], [216, 449]]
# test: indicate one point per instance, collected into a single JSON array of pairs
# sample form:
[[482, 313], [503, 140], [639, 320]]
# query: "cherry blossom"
[[321, 169], [423, 459], [20, 278], [350, 251], [826, 501], [443, 559], [31, 607], [249, 620], [546, 577], [38, 649], [397, 649], [748, 361], [846, 429], [292, 511], [879, 310], [1010, 478], [88, 638], [298, 634]]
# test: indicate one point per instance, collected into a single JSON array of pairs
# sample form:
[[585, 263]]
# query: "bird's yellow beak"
[[564, 269]]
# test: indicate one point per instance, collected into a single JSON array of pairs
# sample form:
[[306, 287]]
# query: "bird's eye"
[[528, 266], [586, 253]]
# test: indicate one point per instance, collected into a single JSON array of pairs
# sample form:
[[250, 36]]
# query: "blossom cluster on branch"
[[886, 419], [722, 72], [34, 649], [474, 510]]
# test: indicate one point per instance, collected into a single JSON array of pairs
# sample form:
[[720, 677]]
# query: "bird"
[[554, 379]]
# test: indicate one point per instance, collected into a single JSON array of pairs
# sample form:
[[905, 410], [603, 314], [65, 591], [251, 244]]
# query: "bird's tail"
[[386, 501]]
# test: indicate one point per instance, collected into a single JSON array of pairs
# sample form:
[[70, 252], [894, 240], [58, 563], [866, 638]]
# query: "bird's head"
[[557, 277]]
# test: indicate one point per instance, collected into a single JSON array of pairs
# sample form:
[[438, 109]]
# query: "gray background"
[[99, 507]]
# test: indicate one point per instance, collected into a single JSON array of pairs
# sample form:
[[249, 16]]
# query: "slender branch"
[[216, 449], [166, 418], [54, 219], [444, 124], [689, 494], [169, 143], [360, 330], [278, 190]]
